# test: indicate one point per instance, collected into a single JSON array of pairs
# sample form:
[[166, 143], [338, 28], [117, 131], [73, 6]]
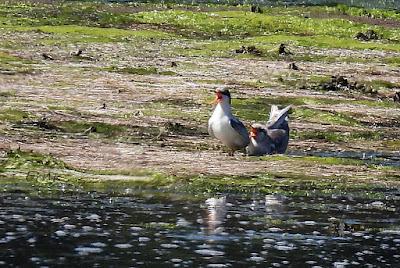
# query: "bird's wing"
[[278, 117], [239, 127], [279, 139], [274, 109]]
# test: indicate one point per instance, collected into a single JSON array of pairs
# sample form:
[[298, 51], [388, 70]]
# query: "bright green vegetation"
[[97, 22], [30, 160], [43, 170], [374, 13], [239, 23], [85, 34], [13, 115]]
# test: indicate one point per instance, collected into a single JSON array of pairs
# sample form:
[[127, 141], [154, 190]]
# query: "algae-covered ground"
[[121, 92]]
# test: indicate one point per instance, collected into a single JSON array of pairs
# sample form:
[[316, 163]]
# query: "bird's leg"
[[231, 152]]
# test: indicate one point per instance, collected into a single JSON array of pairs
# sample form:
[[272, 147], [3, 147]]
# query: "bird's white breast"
[[222, 129]]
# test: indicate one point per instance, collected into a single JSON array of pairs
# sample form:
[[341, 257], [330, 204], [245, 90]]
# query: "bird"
[[224, 126], [273, 137]]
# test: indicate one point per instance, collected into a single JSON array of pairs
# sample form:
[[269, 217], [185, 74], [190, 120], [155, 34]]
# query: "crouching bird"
[[272, 137], [224, 126]]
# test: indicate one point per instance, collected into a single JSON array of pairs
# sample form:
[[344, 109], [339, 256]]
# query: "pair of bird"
[[269, 138]]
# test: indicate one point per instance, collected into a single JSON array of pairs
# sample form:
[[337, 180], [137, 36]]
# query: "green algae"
[[17, 159], [42, 170], [13, 115]]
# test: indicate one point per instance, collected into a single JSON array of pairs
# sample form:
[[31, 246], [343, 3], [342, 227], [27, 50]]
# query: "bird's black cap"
[[224, 91]]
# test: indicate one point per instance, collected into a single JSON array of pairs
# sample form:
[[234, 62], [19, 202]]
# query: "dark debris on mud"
[[367, 36], [341, 83], [249, 50]]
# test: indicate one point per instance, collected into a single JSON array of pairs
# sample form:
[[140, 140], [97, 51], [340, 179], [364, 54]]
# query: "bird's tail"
[[277, 118]]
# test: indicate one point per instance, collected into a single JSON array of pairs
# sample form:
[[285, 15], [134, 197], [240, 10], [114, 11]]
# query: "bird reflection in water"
[[216, 213], [274, 203]]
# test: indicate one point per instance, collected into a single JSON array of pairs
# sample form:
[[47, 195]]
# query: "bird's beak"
[[218, 98], [253, 132]]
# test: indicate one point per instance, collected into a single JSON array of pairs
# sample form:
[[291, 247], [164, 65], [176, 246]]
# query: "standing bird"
[[224, 126], [272, 137]]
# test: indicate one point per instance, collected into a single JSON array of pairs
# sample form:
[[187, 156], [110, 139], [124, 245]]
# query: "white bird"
[[224, 126], [272, 137]]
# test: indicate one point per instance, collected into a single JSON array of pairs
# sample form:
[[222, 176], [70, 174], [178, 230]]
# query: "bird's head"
[[222, 95], [257, 131]]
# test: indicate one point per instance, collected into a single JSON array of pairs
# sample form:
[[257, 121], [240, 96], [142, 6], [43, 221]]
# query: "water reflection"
[[274, 203], [216, 212]]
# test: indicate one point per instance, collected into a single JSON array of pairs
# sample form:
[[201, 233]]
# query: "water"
[[137, 228], [367, 157]]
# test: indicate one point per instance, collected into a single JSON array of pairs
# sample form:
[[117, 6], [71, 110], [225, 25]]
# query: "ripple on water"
[[98, 244], [60, 233], [217, 265], [143, 239], [88, 250], [310, 223], [31, 240], [275, 229], [93, 217], [257, 258], [209, 252], [123, 246], [169, 246], [136, 229], [69, 226], [284, 248]]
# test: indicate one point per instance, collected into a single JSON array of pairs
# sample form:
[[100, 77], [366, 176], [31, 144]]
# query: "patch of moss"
[[364, 12], [13, 115], [84, 34], [41, 170], [17, 159]]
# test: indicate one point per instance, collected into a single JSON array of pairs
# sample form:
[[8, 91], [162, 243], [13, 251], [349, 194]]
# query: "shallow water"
[[368, 157], [137, 228]]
